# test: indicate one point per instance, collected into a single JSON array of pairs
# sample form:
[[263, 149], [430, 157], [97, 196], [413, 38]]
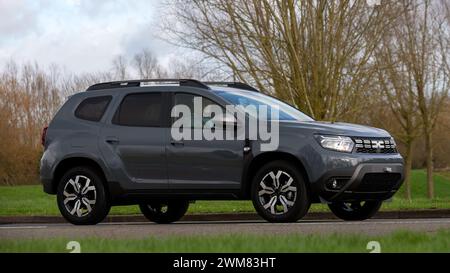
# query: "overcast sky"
[[80, 35]]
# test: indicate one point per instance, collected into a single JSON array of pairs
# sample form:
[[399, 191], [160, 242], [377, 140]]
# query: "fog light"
[[336, 183]]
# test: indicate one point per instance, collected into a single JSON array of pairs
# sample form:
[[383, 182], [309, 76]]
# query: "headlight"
[[336, 143], [393, 144]]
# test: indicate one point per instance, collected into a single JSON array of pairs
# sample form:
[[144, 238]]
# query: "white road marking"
[[22, 227]]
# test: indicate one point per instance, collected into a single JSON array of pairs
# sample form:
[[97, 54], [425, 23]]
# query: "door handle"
[[112, 140], [177, 143]]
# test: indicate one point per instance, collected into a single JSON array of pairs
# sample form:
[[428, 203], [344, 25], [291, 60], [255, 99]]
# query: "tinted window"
[[245, 98], [140, 110], [188, 100], [92, 108]]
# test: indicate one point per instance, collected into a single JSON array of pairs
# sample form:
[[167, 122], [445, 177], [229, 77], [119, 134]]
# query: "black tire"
[[66, 192], [299, 199], [355, 211], [166, 212]]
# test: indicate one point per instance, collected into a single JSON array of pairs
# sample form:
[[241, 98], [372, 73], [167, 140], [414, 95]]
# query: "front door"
[[203, 164]]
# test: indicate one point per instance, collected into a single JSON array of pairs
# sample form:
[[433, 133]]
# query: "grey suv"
[[112, 145]]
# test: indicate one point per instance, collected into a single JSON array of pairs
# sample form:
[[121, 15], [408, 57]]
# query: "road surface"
[[144, 229]]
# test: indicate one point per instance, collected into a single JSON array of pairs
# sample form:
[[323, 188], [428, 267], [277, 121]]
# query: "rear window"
[[142, 110], [92, 108]]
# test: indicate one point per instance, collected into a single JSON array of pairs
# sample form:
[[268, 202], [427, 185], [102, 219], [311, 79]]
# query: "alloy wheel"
[[276, 192], [80, 195]]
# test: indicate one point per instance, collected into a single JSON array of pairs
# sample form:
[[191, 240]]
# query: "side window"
[[92, 108], [188, 100], [141, 110]]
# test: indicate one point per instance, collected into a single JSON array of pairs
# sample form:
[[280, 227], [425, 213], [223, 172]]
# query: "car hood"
[[336, 128]]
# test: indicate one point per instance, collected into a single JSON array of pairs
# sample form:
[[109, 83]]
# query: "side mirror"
[[227, 121]]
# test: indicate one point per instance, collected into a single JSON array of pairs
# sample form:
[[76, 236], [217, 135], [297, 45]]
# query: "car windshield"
[[246, 98]]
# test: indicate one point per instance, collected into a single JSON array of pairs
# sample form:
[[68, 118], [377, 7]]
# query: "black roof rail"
[[132, 83], [239, 85]]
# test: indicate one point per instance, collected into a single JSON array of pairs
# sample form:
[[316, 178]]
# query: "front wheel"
[[355, 211], [279, 192], [164, 213]]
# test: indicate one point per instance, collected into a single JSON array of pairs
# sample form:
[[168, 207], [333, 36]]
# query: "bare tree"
[[147, 65], [72, 83], [29, 97], [120, 67], [315, 54], [424, 57], [396, 84], [194, 69]]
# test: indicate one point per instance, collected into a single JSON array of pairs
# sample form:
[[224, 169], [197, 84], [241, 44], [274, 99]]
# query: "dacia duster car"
[[112, 145]]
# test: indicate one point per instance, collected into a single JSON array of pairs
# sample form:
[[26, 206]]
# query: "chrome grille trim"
[[375, 145]]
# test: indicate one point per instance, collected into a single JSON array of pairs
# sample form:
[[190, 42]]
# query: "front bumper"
[[367, 181]]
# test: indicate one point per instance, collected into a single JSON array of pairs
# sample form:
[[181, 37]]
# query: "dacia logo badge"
[[377, 144]]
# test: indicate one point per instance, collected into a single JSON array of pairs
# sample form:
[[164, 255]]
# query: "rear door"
[[133, 143]]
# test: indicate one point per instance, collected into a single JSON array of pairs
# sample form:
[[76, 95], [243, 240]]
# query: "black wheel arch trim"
[[252, 163], [76, 160]]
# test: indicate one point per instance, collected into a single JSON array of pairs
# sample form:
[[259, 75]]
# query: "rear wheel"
[[166, 212], [355, 211], [82, 197], [279, 192]]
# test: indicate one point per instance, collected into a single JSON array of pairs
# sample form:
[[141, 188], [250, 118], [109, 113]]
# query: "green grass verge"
[[396, 242], [31, 200], [419, 185]]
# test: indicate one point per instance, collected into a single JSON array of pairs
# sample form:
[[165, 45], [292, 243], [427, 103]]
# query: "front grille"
[[375, 182], [375, 145]]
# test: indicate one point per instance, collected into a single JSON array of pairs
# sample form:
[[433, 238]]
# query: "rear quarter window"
[[92, 109]]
